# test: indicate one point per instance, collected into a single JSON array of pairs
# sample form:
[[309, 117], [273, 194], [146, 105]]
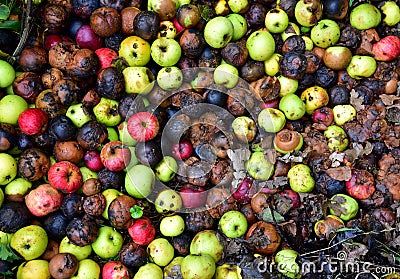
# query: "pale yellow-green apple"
[[11, 106], [30, 242]]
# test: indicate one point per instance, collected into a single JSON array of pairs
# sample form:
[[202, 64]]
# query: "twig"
[[26, 26]]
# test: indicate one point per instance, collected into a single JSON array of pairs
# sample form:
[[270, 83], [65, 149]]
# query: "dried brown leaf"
[[340, 173], [389, 100], [356, 100]]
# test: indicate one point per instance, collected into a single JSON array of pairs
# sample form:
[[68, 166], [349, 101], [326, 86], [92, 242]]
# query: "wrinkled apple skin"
[[142, 231], [387, 49], [115, 156], [65, 176], [43, 200], [361, 185], [115, 270]]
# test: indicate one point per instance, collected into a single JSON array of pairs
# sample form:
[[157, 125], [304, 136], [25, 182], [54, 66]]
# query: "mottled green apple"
[[139, 181], [365, 16], [165, 52], [361, 66], [87, 269], [138, 80], [80, 252], [261, 45], [17, 188], [228, 271], [11, 106], [166, 169], [8, 168], [169, 78], [218, 32], [160, 251], [300, 179], [7, 74], [198, 266], [292, 106], [239, 26], [271, 120], [30, 242], [108, 242], [259, 167], [149, 270], [172, 225], [78, 114], [326, 33], [206, 243], [276, 20], [106, 112], [38, 269], [135, 50], [226, 75]]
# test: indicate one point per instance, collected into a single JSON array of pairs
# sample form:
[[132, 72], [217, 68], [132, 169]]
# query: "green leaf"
[[4, 12], [136, 212], [272, 216], [351, 3], [7, 254], [11, 25]]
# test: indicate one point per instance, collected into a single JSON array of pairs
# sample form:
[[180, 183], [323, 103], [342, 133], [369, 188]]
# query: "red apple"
[[182, 150], [271, 104], [115, 156], [86, 38], [179, 28], [387, 48], [142, 231], [33, 121], [143, 126], [106, 55], [244, 191], [361, 185], [115, 270], [193, 196], [323, 115], [43, 200], [293, 196], [54, 39], [92, 160], [65, 176]]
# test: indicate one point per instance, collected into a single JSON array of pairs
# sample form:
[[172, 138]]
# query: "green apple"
[[343, 113], [7, 74], [271, 65], [337, 138], [124, 135], [239, 26], [18, 188], [167, 201], [226, 75], [106, 112], [198, 266], [233, 224], [5, 238], [134, 161], [80, 252], [309, 43], [87, 173], [160, 251], [343, 206], [271, 120], [11, 106], [392, 13], [108, 242], [206, 243], [169, 78], [172, 225], [218, 32], [149, 270], [138, 80], [286, 261], [292, 106], [87, 269], [135, 50], [361, 66], [30, 242], [245, 128], [112, 134], [228, 271], [38, 269], [1, 197], [166, 169], [139, 181], [292, 29], [307, 13], [288, 85], [300, 179], [78, 114], [365, 16], [8, 168], [276, 20], [165, 52], [238, 6], [314, 97], [173, 269], [110, 195], [261, 45], [326, 33], [259, 167]]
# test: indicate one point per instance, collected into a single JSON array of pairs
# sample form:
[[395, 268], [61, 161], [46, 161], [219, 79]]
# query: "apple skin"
[[218, 32], [11, 107], [166, 169], [244, 128], [135, 50], [226, 75], [300, 179], [271, 120], [391, 12], [65, 176], [286, 260], [108, 242], [160, 251], [143, 126], [172, 225], [206, 243], [259, 167], [110, 195], [349, 204], [105, 55], [292, 106], [139, 181], [387, 48], [326, 33], [8, 168], [276, 20], [239, 26], [87, 268], [17, 189], [92, 160], [38, 269], [149, 270], [106, 112], [261, 45], [33, 121], [115, 156], [78, 114], [43, 200], [182, 150], [139, 80], [142, 231], [198, 266], [233, 224], [365, 16], [193, 196], [228, 271], [115, 270], [7, 74], [80, 252], [165, 52], [30, 242]]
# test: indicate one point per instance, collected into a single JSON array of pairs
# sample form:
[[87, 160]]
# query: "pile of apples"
[[85, 169]]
